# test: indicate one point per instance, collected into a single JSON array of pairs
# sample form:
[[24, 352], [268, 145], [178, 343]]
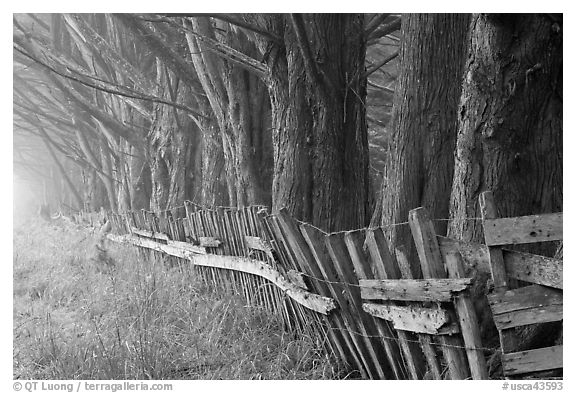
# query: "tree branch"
[[374, 24], [242, 60], [386, 29], [240, 23], [374, 68], [130, 94]]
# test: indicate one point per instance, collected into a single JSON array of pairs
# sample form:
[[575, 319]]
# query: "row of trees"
[[146, 111]]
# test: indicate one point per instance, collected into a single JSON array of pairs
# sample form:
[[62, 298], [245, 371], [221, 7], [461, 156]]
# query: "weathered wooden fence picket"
[[351, 289]]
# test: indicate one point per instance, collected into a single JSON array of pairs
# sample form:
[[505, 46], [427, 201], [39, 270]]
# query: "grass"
[[143, 320]]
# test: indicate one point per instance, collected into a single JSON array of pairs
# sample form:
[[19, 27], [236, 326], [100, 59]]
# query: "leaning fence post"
[[468, 320], [433, 267]]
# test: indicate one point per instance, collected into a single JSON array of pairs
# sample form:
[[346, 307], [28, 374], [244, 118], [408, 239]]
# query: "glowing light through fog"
[[24, 198]]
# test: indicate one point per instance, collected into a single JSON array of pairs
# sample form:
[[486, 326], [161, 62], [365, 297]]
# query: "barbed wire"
[[387, 226], [397, 339], [387, 337]]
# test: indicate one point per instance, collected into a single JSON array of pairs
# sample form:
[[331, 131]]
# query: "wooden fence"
[[348, 287]]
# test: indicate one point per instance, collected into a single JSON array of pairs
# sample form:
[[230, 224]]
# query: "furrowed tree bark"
[[420, 164], [510, 139], [319, 132], [171, 143], [509, 121]]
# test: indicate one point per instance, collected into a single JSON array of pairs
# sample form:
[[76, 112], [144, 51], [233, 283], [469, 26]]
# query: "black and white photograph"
[[286, 196]]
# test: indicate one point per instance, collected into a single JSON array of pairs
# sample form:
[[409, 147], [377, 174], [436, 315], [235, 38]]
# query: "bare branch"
[[374, 68], [386, 29], [374, 24], [128, 94], [234, 21]]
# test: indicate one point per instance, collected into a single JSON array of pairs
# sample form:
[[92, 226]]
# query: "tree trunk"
[[509, 139], [320, 140], [420, 163], [510, 121], [170, 146], [107, 175], [140, 180], [230, 91]]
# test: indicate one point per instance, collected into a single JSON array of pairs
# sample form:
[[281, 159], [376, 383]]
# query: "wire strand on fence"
[[380, 336]]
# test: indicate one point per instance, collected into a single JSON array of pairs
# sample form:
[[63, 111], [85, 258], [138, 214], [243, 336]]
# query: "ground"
[[139, 319]]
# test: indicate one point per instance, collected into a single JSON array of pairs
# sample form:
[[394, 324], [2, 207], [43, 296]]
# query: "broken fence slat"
[[433, 266], [150, 234], [203, 241], [413, 318], [174, 248], [307, 299], [297, 278], [208, 242], [257, 243], [468, 320], [434, 290]]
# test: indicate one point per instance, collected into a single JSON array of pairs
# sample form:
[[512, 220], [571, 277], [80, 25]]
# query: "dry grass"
[[143, 320]]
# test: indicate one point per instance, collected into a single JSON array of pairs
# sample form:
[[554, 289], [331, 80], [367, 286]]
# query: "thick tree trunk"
[[509, 138], [318, 115], [510, 120], [420, 164], [213, 188]]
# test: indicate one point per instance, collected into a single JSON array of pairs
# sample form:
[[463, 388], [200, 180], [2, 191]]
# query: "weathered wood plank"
[[309, 300], [532, 361], [532, 296], [488, 210], [433, 267], [297, 278], [468, 321], [525, 306], [496, 259], [529, 316], [475, 254], [434, 290], [426, 342], [354, 242], [338, 251], [384, 266], [320, 266], [413, 318], [187, 246], [533, 268], [203, 241], [380, 255], [209, 242], [150, 234], [306, 256], [257, 243], [174, 248], [521, 230]]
